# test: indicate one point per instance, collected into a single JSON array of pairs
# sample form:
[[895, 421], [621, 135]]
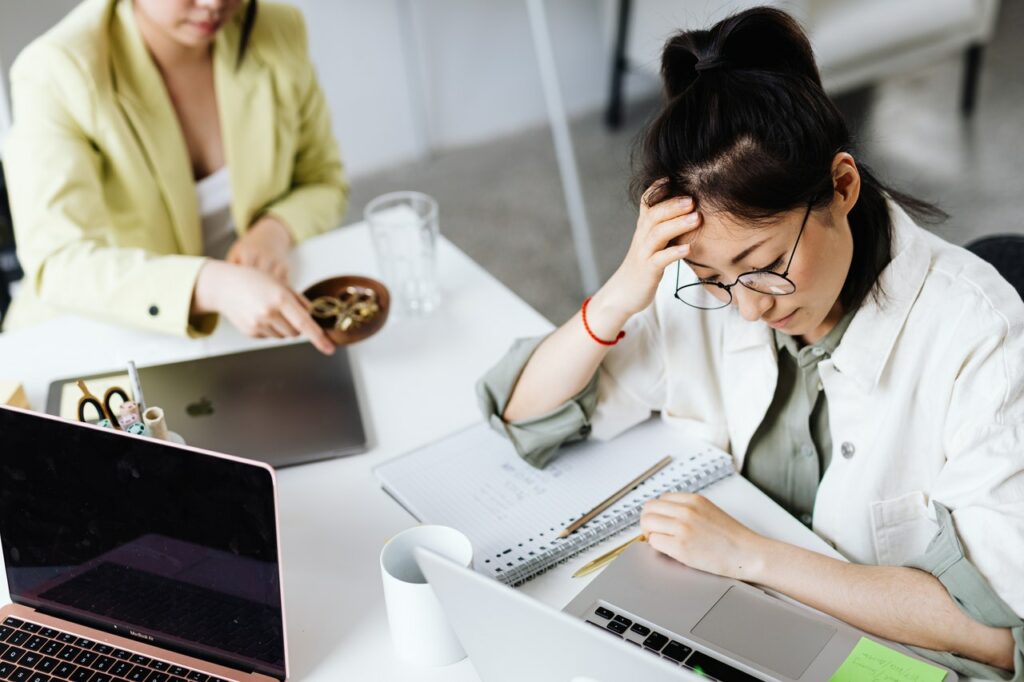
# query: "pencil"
[[607, 557], [133, 377], [615, 497]]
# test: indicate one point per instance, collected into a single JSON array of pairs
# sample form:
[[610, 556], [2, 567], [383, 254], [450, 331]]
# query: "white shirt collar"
[[871, 336]]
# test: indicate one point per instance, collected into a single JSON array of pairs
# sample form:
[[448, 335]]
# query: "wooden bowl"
[[336, 286]]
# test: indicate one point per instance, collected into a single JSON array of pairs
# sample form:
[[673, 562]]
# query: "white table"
[[416, 380]]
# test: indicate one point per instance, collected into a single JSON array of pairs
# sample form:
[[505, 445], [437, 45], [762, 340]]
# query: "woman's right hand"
[[256, 303], [654, 247]]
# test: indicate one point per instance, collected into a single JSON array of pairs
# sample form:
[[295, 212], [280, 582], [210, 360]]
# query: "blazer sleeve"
[[318, 198], [62, 226]]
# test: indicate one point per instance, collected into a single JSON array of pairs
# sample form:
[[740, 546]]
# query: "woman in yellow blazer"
[[119, 111]]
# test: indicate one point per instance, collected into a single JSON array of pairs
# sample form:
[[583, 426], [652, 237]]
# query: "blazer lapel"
[[245, 101], [147, 106]]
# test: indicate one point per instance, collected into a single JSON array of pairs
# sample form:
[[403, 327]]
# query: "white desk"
[[416, 379]]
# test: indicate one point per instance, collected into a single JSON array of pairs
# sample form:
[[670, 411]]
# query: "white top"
[[925, 400], [214, 194]]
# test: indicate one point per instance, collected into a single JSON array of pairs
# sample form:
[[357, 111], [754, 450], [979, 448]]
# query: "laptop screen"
[[150, 541]]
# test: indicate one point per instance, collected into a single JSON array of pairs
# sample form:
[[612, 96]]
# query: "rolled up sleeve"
[[944, 558], [536, 439]]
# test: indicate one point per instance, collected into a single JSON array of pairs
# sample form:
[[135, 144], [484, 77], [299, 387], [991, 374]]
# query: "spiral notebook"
[[513, 512]]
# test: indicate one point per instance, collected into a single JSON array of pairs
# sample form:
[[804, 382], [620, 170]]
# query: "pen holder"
[[155, 420]]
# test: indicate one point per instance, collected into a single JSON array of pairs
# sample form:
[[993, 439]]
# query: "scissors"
[[102, 407]]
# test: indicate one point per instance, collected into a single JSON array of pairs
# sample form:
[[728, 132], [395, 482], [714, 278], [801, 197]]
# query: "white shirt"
[[214, 195], [925, 398]]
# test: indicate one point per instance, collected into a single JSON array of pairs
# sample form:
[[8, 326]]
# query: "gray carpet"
[[502, 202]]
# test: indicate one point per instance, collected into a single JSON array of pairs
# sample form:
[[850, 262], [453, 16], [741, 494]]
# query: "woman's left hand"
[[264, 247], [693, 530]]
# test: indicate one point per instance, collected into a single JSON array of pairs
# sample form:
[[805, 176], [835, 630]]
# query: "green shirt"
[[792, 447]]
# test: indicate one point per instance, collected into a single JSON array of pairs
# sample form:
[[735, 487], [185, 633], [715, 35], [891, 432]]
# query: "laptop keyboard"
[[240, 626], [35, 653], [660, 643]]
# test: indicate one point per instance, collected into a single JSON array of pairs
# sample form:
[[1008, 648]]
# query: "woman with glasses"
[[165, 157], [779, 302]]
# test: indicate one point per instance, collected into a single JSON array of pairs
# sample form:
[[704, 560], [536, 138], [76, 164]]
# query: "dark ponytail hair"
[[248, 19], [746, 128]]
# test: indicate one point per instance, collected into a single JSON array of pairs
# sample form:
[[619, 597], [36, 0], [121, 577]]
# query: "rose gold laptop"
[[132, 559]]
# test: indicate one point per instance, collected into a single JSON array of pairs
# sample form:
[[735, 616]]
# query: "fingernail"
[[685, 248]]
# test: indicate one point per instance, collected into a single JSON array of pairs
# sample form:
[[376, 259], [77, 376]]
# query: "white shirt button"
[[847, 449]]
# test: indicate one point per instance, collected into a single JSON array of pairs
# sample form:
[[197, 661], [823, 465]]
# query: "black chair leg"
[[613, 115], [972, 69]]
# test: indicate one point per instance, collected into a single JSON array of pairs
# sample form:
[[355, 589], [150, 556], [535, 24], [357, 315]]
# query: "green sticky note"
[[872, 662]]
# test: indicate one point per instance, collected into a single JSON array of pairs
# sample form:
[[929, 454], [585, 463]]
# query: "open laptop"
[[645, 617], [283, 405], [130, 558]]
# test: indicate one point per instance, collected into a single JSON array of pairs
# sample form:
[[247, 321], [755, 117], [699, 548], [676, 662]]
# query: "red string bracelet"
[[583, 314]]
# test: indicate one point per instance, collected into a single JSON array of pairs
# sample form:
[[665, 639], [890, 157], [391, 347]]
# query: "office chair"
[[856, 42], [1006, 254], [10, 270]]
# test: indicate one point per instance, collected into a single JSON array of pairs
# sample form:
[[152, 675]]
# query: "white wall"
[[20, 22], [484, 77], [356, 47], [473, 59], [474, 62]]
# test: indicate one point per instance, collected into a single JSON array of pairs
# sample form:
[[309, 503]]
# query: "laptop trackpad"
[[764, 631]]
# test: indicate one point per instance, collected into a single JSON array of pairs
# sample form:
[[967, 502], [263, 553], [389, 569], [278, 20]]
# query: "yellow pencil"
[[607, 557]]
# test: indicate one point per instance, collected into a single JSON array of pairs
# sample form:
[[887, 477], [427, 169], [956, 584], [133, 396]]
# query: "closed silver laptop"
[[283, 405]]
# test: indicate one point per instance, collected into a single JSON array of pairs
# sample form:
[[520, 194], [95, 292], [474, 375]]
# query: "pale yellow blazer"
[[101, 187]]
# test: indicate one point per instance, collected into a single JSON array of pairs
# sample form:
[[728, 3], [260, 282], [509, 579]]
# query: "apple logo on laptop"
[[201, 408]]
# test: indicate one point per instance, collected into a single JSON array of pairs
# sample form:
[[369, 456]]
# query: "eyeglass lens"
[[710, 295]]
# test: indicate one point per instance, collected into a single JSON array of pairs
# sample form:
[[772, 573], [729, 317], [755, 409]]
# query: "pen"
[[615, 497], [133, 377], [607, 557]]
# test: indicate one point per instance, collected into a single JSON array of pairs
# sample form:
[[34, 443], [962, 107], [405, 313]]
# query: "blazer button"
[[585, 430], [847, 449], [154, 311]]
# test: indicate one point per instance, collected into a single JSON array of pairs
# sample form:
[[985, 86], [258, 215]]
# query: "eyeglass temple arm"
[[792, 253]]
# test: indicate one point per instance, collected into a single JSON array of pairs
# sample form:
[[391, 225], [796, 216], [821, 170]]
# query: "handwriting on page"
[[872, 662], [520, 484]]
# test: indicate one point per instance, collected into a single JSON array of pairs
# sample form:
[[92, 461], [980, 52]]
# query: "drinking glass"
[[404, 229]]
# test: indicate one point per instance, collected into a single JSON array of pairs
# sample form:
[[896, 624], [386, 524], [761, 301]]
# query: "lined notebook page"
[[513, 513]]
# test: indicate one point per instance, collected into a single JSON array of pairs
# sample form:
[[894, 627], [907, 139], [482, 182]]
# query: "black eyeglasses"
[[708, 294]]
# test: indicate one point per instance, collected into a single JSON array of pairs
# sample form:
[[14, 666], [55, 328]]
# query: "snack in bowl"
[[350, 308]]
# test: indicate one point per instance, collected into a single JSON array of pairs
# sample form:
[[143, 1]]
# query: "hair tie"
[[710, 63]]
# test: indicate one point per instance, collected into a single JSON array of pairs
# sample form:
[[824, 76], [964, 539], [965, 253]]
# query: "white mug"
[[419, 629]]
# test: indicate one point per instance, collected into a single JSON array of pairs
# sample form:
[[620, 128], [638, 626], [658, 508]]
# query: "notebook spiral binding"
[[616, 519]]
